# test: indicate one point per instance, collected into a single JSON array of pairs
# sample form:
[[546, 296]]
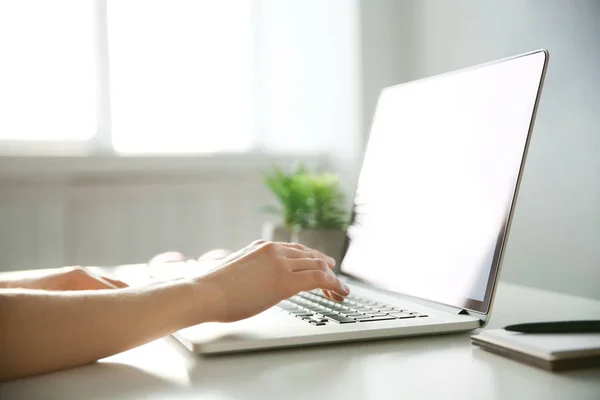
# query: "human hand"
[[173, 264], [75, 278], [261, 275], [221, 257], [177, 257]]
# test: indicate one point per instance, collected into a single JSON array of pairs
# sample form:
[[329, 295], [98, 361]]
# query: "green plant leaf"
[[307, 200]]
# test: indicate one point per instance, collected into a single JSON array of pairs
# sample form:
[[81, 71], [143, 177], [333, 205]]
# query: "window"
[[144, 76], [181, 74], [47, 72]]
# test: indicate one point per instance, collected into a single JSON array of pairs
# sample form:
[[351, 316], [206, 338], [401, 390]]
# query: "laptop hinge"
[[466, 312]]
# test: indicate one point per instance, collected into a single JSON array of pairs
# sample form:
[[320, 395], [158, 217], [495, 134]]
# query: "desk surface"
[[446, 366]]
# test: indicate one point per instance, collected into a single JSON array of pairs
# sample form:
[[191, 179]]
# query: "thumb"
[[114, 283]]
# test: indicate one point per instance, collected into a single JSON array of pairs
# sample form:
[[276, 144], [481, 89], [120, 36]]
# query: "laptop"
[[431, 216]]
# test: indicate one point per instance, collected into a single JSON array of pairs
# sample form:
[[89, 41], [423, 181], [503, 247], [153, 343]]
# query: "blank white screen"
[[438, 180]]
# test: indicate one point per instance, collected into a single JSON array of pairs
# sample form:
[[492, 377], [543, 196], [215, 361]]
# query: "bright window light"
[[181, 75], [47, 70]]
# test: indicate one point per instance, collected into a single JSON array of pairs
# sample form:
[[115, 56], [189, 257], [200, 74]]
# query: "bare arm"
[[42, 331], [67, 278]]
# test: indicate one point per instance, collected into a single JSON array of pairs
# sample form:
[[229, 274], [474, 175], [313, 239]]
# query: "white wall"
[[555, 238], [386, 43], [309, 61]]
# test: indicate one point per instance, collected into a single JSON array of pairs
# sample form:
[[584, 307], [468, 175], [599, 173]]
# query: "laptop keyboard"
[[318, 310]]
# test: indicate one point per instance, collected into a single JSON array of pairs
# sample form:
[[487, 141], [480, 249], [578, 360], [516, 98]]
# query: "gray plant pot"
[[328, 241], [275, 233]]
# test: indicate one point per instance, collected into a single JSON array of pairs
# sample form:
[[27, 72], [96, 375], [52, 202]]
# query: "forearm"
[[44, 331]]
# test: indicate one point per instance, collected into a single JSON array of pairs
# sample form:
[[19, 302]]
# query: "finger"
[[97, 282], [80, 278], [93, 283], [115, 282], [293, 253], [332, 296], [298, 246], [336, 297], [167, 257], [317, 279], [329, 294], [295, 250], [304, 264], [217, 254]]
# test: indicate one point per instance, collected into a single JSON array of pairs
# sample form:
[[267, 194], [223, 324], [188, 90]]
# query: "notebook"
[[553, 352]]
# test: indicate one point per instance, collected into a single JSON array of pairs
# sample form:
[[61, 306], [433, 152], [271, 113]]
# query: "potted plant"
[[291, 194], [312, 206]]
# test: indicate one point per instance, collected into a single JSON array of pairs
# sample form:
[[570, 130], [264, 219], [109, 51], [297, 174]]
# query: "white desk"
[[437, 367]]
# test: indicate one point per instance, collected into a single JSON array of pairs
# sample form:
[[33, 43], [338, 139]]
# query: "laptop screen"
[[439, 180]]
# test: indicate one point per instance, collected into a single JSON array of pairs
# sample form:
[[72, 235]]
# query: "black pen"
[[591, 326]]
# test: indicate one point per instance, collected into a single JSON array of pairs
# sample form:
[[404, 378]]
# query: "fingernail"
[[331, 260], [344, 287]]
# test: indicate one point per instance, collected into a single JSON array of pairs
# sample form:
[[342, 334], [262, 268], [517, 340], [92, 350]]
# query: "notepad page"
[[547, 346]]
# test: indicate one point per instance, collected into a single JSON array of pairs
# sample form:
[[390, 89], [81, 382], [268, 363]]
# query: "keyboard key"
[[317, 318], [341, 319], [302, 313], [317, 323], [295, 301], [402, 315], [324, 314], [315, 307], [388, 318], [353, 311], [324, 303]]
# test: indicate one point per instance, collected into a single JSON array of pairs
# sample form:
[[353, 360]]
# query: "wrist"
[[206, 300]]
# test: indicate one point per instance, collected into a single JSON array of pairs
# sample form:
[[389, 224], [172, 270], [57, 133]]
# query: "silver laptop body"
[[431, 217]]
